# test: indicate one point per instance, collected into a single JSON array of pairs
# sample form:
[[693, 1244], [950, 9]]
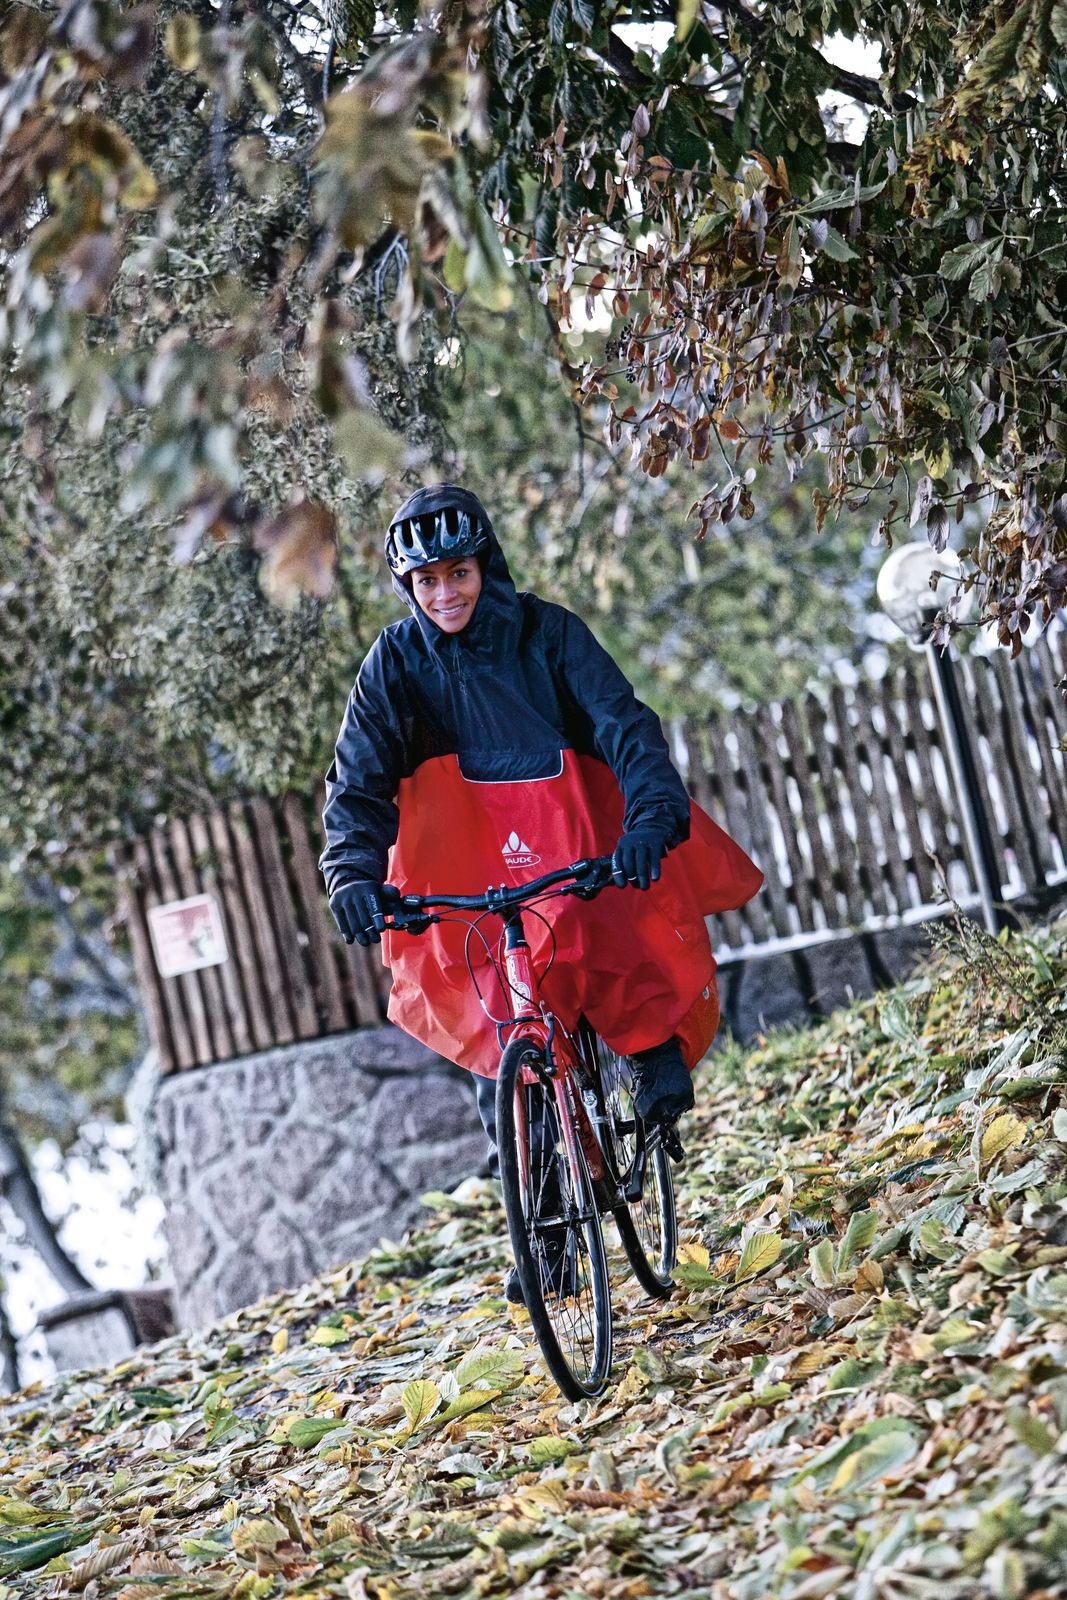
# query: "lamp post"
[[911, 599]]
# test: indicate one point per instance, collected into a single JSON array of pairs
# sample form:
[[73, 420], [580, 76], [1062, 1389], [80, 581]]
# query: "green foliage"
[[881, 284], [691, 622], [70, 1027]]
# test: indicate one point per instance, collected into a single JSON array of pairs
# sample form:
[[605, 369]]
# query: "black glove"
[[637, 858], [359, 909]]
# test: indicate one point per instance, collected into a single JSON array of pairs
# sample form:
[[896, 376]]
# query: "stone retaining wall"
[[283, 1164]]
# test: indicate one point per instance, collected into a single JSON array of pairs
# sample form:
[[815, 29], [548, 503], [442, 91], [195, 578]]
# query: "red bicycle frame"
[[532, 1022]]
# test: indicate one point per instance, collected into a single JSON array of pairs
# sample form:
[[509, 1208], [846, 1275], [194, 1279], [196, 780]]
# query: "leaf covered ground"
[[859, 1388]]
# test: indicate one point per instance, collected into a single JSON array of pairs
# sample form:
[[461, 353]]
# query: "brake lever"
[[411, 921], [589, 891]]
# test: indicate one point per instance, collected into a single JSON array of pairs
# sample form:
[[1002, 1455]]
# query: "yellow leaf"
[[869, 1276], [542, 1500], [139, 190], [761, 1252], [938, 458], [182, 41], [685, 16], [692, 1252], [1002, 1133], [420, 1399], [262, 1533], [280, 1343]]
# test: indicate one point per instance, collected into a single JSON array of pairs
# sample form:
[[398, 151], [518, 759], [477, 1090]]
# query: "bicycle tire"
[[648, 1226], [543, 1159]]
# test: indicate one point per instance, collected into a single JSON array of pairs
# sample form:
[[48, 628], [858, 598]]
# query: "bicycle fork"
[[572, 1115]]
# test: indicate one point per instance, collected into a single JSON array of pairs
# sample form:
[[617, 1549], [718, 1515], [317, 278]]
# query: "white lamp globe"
[[904, 587]]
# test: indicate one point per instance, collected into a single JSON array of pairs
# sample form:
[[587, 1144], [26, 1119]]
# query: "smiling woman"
[[447, 591]]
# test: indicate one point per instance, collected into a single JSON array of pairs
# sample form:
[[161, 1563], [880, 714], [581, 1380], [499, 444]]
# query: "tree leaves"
[[420, 1399], [1002, 1134], [761, 1252], [300, 547]]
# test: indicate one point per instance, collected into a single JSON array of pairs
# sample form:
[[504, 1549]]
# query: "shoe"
[[663, 1089], [562, 1275]]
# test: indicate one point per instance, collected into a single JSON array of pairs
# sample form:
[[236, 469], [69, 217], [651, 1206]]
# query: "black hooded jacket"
[[522, 681]]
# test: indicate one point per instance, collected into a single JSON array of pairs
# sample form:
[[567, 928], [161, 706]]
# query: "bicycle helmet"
[[440, 535]]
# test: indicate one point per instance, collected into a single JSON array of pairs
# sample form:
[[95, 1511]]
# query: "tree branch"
[[9, 1351], [621, 57], [19, 1188], [867, 90]]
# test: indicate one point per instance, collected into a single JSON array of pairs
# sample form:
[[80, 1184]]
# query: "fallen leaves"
[[859, 1388]]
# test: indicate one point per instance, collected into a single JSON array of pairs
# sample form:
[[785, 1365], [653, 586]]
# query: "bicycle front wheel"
[[555, 1227], [646, 1220]]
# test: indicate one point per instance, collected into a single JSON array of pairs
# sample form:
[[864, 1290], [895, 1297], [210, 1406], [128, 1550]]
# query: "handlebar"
[[414, 912]]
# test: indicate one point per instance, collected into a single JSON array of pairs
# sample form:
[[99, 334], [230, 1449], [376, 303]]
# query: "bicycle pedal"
[[671, 1142]]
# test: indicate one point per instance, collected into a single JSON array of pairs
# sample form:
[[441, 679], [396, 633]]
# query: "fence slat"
[[280, 906], [132, 913], [874, 755], [312, 898], [703, 761], [188, 982], [229, 971], [824, 885], [773, 891], [870, 868], [737, 812], [360, 983], [816, 716], [985, 704], [945, 832], [252, 983], [767, 730], [1050, 676], [920, 862], [1013, 722], [260, 927], [1052, 760], [169, 993], [189, 884]]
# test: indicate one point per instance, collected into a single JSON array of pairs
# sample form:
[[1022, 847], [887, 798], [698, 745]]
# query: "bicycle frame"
[[532, 1021]]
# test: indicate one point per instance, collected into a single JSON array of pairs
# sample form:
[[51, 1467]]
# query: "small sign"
[[187, 935]]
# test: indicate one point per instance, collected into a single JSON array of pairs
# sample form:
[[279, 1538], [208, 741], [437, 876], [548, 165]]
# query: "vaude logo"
[[517, 854]]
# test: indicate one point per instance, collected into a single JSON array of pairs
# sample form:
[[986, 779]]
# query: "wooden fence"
[[843, 798]]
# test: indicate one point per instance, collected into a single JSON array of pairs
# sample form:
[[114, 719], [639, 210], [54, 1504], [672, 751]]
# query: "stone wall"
[[796, 986], [802, 985], [283, 1164]]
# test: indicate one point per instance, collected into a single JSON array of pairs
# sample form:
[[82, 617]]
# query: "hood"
[[495, 626]]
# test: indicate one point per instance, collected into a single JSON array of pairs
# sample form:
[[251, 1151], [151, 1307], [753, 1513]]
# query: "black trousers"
[[485, 1095]]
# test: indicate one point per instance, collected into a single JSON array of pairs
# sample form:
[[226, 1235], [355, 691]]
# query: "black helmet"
[[433, 536]]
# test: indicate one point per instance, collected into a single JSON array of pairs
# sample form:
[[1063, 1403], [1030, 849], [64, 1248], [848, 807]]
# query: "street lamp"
[[914, 584]]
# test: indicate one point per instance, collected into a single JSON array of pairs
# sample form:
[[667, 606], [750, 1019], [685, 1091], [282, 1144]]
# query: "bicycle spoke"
[[555, 1225], [646, 1220]]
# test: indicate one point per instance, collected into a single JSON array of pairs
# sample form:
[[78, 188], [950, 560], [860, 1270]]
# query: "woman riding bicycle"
[[489, 738]]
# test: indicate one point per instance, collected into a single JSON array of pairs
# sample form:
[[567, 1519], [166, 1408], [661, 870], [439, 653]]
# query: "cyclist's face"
[[447, 591]]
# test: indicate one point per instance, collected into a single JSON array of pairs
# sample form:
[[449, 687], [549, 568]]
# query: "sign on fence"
[[187, 935]]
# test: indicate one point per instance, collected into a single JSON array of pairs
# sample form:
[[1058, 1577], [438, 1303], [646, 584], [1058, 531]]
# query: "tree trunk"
[[9, 1352], [19, 1188]]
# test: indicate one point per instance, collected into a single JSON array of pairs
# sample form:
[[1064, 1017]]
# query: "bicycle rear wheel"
[[555, 1227], [647, 1220]]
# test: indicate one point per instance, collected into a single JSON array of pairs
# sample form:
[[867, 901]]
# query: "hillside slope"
[[860, 1388]]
